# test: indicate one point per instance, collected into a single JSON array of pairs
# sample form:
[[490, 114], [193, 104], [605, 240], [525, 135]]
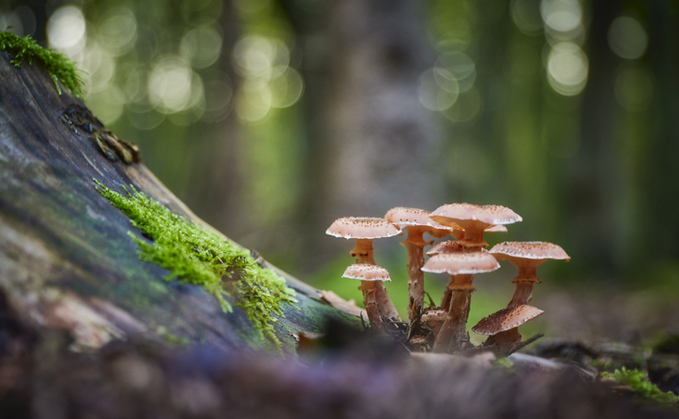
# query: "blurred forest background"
[[271, 118]]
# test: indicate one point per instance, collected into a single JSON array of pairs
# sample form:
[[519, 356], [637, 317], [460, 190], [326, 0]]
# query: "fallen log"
[[66, 258]]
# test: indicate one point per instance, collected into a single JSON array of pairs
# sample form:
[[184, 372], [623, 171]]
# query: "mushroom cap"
[[461, 263], [484, 214], [362, 228], [505, 319], [448, 246], [413, 217], [499, 228], [528, 250], [366, 272], [434, 314]]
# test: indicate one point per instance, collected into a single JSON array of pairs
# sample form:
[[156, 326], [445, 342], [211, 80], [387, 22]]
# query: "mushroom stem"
[[369, 289], [415, 245], [447, 296], [363, 252], [473, 237], [453, 332], [415, 280], [522, 293], [504, 340], [527, 271], [448, 293]]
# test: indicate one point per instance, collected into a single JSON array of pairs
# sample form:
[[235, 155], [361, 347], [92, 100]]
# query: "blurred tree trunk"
[[379, 134], [594, 202], [661, 180], [368, 138]]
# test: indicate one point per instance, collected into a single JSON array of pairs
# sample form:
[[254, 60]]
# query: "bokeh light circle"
[[437, 93], [66, 27], [201, 46], [567, 68], [627, 38], [171, 85]]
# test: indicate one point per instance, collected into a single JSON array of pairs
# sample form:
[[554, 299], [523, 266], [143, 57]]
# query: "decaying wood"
[[66, 260]]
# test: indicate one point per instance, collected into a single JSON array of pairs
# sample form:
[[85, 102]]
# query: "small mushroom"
[[453, 246], [475, 219], [364, 230], [503, 325], [415, 222], [461, 267], [526, 256], [370, 275], [434, 318]]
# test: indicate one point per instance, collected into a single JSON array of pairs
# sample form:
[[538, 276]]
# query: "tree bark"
[[66, 259]]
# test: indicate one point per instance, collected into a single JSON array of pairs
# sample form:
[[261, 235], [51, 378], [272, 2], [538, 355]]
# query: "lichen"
[[196, 255], [639, 382], [58, 66]]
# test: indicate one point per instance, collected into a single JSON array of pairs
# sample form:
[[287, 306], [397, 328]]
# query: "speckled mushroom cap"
[[461, 263], [505, 319], [448, 246], [486, 214], [366, 272], [528, 250], [362, 228], [413, 217], [435, 314]]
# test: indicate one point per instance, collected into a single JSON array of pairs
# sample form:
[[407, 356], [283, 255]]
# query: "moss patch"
[[640, 383], [198, 256], [58, 66]]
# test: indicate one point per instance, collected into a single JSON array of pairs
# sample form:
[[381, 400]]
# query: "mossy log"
[[66, 259]]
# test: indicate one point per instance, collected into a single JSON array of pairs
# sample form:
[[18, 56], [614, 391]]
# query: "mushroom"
[[474, 219], [526, 256], [415, 222], [434, 318], [364, 230], [503, 325], [452, 246], [370, 275], [461, 267]]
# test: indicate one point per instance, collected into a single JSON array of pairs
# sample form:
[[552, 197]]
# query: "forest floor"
[[347, 373]]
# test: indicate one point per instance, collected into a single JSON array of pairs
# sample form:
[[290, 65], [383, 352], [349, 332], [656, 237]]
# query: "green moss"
[[198, 256], [503, 362], [640, 383], [58, 66]]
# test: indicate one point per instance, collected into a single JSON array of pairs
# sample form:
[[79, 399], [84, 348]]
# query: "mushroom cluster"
[[444, 328]]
